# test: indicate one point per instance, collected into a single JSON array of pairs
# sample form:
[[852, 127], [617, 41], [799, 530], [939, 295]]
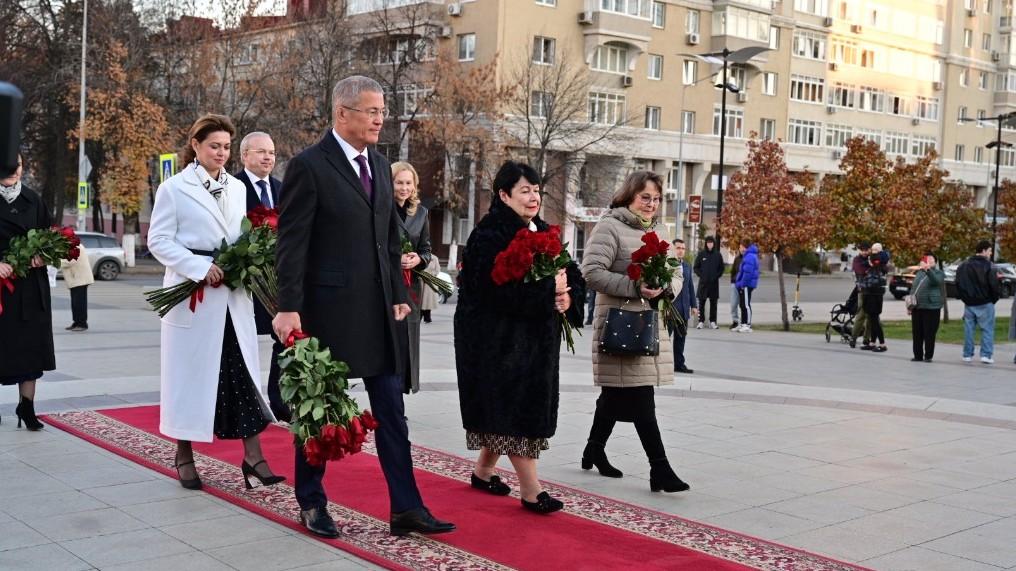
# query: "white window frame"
[[807, 89], [659, 11], [767, 129], [606, 55], [544, 50], [689, 71], [693, 22], [654, 68], [654, 117], [467, 47], [688, 122], [805, 133], [735, 122], [770, 80], [606, 108], [540, 103]]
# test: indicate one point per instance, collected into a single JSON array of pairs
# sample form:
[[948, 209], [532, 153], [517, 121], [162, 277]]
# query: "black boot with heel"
[[663, 478], [26, 412], [596, 455]]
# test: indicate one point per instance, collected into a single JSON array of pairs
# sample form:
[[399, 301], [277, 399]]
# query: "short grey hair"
[[347, 91], [245, 143]]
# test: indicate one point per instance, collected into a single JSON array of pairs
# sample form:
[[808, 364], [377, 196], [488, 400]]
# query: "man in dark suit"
[[257, 153], [685, 305], [340, 280]]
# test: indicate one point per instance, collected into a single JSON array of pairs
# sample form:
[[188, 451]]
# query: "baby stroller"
[[841, 319]]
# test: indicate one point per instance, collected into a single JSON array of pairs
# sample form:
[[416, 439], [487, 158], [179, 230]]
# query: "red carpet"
[[494, 533]]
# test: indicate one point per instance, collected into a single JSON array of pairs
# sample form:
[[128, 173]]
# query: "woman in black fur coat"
[[508, 343]]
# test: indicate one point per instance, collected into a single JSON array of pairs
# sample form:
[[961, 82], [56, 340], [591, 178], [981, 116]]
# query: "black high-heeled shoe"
[[249, 471], [26, 412], [663, 478], [595, 455], [544, 504], [492, 486], [189, 483]]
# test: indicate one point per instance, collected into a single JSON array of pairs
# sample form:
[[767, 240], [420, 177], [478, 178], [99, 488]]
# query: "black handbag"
[[635, 333]]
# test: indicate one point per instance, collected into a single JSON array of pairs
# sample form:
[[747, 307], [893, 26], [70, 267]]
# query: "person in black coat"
[[508, 343], [340, 279], [26, 322], [257, 152], [709, 268], [415, 229]]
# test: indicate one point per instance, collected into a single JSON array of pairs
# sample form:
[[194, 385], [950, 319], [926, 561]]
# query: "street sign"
[[83, 192], [84, 168], [167, 166], [695, 209]]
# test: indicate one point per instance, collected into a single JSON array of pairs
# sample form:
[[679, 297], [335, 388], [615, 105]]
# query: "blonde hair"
[[414, 199]]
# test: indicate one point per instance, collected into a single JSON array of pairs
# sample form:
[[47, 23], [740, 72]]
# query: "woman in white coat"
[[210, 372]]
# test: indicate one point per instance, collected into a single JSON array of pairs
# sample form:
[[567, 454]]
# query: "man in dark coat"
[[685, 305], [257, 152], [340, 280], [709, 267]]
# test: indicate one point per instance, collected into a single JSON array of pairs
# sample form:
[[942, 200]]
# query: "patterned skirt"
[[507, 445], [238, 411]]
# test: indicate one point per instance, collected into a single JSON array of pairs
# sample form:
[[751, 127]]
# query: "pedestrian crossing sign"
[[83, 196], [167, 166]]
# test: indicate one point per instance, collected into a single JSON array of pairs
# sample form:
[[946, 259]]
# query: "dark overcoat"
[[417, 229], [709, 267], [339, 257], [262, 318], [508, 337], [26, 325]]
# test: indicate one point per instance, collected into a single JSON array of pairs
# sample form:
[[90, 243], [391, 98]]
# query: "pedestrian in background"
[[77, 275], [735, 298], [874, 293], [590, 306], [924, 317], [978, 287], [414, 224], [428, 300], [860, 268], [747, 281], [685, 305], [708, 267]]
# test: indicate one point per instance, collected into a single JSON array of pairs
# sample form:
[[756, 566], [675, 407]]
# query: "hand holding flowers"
[[37, 249], [653, 270]]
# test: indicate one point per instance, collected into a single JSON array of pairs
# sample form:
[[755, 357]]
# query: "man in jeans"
[[860, 269], [978, 287]]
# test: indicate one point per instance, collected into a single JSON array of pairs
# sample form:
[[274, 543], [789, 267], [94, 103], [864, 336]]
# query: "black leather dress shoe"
[[544, 504], [685, 370], [493, 486], [419, 520], [318, 522]]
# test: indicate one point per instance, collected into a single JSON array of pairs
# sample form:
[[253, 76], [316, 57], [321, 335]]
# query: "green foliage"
[[314, 384]]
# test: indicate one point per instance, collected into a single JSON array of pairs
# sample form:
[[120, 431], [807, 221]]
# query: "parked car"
[[1006, 276], [901, 282], [106, 255]]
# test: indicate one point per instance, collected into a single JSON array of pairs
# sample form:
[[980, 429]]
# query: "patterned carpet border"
[[368, 537]]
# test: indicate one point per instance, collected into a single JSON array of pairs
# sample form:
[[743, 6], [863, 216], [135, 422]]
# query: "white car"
[[105, 254]]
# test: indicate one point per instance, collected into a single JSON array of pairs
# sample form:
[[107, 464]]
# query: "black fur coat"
[[508, 337]]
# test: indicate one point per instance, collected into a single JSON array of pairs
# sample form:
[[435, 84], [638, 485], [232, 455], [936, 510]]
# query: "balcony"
[[600, 28]]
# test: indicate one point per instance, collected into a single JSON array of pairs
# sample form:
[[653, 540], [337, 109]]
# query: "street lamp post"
[[82, 165], [998, 144]]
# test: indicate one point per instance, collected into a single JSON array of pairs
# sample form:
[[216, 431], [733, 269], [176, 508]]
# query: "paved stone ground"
[[866, 458]]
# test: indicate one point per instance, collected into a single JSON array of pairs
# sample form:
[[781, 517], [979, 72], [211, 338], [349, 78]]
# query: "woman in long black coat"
[[415, 228], [508, 343], [26, 323]]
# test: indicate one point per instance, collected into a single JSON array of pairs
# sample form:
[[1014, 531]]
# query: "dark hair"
[[983, 246], [677, 241], [746, 242], [511, 173], [710, 239], [864, 245], [205, 125], [634, 184]]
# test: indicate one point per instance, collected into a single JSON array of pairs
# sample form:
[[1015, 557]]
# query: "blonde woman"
[[415, 229]]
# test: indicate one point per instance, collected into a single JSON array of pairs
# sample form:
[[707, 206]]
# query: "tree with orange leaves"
[[1007, 229], [780, 212], [854, 196]]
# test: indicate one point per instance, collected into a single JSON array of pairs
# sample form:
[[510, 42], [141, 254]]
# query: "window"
[[842, 95], [982, 80], [958, 154], [653, 118], [467, 47], [738, 76], [774, 38], [898, 105], [544, 50], [691, 21], [613, 59], [817, 7], [844, 52], [546, 2], [961, 114], [895, 143], [636, 8], [809, 45], [688, 122], [655, 66], [541, 104], [735, 122], [873, 135], [659, 14], [979, 155], [968, 37], [767, 129], [606, 108], [872, 100], [769, 80], [838, 135], [986, 42], [689, 71], [802, 132], [987, 6], [868, 58], [740, 23], [920, 145], [964, 77], [981, 114], [927, 108], [808, 89]]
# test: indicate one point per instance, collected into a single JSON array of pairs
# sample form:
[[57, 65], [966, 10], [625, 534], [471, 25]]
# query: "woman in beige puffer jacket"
[[627, 382]]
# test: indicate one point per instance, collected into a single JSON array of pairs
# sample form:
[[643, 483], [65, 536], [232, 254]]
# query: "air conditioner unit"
[[834, 66], [670, 193], [937, 86], [971, 12], [742, 97], [692, 39], [830, 109], [857, 28], [915, 121], [446, 31], [995, 56], [586, 18], [827, 22], [837, 155], [626, 81], [455, 9]]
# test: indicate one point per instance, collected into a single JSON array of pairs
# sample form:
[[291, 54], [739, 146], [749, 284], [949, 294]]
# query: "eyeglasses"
[[647, 199], [372, 113]]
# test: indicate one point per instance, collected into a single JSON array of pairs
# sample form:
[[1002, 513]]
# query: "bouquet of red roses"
[[650, 265], [531, 257], [435, 283], [50, 244], [327, 422]]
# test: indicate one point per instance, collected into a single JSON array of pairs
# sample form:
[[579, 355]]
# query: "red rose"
[[295, 336], [74, 253], [368, 420], [312, 450], [634, 272], [650, 238], [662, 247], [342, 437]]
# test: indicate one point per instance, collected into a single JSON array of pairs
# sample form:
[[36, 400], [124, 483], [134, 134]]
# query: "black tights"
[[636, 405]]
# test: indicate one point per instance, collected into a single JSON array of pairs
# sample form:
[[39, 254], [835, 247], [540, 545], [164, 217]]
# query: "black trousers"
[[678, 340], [279, 407], [392, 441], [924, 323], [636, 405], [712, 309], [744, 293], [79, 305]]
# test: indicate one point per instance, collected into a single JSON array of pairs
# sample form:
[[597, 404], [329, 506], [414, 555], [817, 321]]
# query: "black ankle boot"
[[26, 412], [595, 455], [662, 477]]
